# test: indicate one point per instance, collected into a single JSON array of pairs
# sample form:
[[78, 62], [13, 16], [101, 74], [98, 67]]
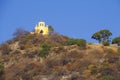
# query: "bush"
[[25, 42], [61, 48], [5, 49], [107, 77], [16, 52], [89, 43], [19, 32], [105, 65], [22, 47], [118, 49], [70, 42], [109, 50], [43, 53], [1, 69], [113, 59], [56, 39], [46, 46], [116, 41], [80, 42], [107, 71], [44, 50], [93, 69], [106, 43]]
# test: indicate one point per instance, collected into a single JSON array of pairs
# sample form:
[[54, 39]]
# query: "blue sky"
[[73, 18]]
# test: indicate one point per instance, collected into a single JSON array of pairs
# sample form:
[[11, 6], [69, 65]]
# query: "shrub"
[[44, 50], [116, 41], [46, 46], [51, 29], [25, 43], [80, 42], [109, 50], [22, 47], [93, 68], [106, 43], [105, 65], [89, 43], [43, 53], [19, 32], [113, 59], [61, 48], [31, 55], [107, 77], [16, 52], [102, 47], [1, 69], [10, 41], [107, 71], [5, 49], [70, 42], [118, 49], [87, 72], [88, 47], [56, 39]]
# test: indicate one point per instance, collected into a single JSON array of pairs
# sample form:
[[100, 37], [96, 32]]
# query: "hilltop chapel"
[[41, 28]]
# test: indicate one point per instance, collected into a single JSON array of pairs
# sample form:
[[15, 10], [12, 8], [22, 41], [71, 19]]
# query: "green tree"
[[103, 36], [116, 41], [51, 30]]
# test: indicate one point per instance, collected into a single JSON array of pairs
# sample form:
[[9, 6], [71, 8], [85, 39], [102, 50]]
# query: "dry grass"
[[69, 61]]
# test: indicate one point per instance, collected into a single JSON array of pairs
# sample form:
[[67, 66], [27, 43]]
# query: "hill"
[[57, 57]]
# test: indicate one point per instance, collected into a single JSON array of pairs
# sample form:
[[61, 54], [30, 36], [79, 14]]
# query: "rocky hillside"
[[57, 57]]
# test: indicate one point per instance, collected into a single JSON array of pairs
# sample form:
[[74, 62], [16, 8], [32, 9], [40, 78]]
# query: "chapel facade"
[[41, 28]]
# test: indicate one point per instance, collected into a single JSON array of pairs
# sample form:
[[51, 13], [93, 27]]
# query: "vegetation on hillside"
[[57, 57], [103, 36], [1, 71], [45, 48], [80, 42], [116, 41]]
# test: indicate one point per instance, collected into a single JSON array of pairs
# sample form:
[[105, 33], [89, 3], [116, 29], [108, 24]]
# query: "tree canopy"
[[51, 29], [116, 41], [102, 36]]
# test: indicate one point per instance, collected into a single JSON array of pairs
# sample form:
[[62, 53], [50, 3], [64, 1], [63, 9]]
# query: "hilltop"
[[57, 57]]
